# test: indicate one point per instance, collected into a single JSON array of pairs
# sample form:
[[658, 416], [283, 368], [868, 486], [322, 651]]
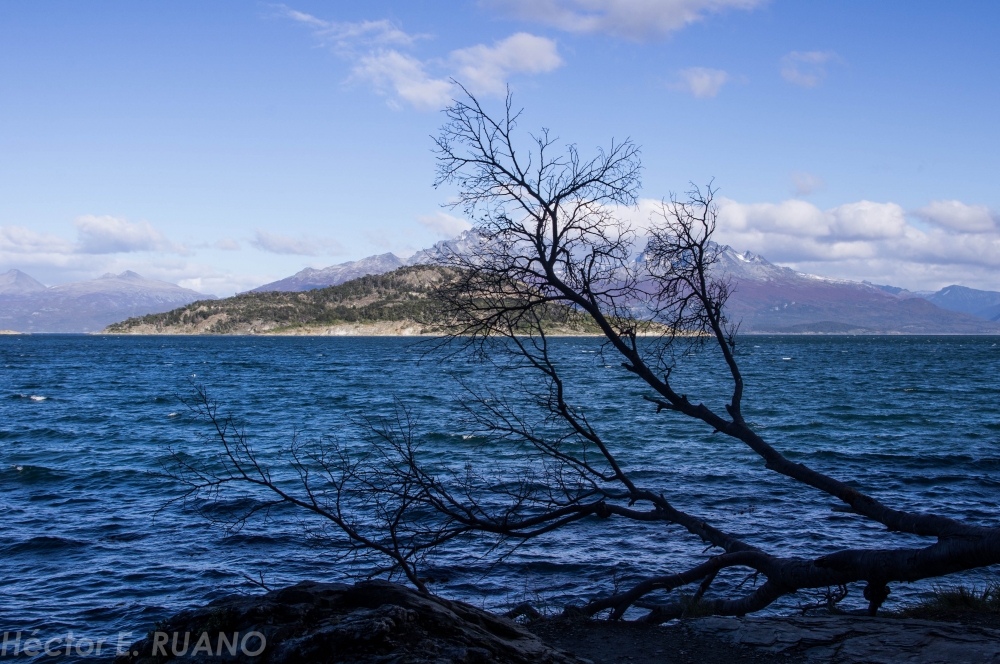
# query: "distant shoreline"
[[359, 331], [548, 334]]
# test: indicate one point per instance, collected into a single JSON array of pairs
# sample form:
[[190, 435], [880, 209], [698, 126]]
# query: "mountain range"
[[979, 303], [84, 306], [767, 298], [310, 278], [771, 298]]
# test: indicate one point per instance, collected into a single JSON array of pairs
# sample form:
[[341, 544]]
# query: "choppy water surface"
[[913, 420]]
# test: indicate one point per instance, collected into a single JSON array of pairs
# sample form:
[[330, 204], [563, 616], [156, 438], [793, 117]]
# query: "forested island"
[[401, 302]]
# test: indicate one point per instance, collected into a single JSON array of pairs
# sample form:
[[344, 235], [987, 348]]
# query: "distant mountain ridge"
[[311, 279], [771, 298], [334, 275], [984, 304], [464, 244], [85, 306], [17, 283], [766, 298]]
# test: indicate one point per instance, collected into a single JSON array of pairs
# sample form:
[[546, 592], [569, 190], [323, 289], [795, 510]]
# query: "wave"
[[34, 474], [252, 539], [125, 537], [31, 397], [44, 544]]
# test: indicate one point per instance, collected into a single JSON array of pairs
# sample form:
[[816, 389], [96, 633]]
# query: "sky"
[[227, 144]]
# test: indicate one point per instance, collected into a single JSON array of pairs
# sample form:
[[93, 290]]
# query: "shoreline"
[[379, 620], [310, 333]]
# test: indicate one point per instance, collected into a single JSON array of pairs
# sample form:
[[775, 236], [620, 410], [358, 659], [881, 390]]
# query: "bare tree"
[[551, 237], [553, 245], [363, 498]]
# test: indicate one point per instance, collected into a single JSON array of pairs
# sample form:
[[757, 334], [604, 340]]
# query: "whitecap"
[[786, 358], [35, 397], [172, 415]]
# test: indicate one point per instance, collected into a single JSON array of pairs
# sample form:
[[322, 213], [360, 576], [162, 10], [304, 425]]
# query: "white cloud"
[[347, 36], [835, 232], [444, 224], [805, 68], [406, 76], [955, 215], [18, 240], [377, 51], [804, 184], [795, 218], [108, 244], [866, 220], [104, 244], [276, 243], [630, 19], [869, 240], [208, 279], [109, 235], [227, 244], [701, 82], [485, 69], [95, 235]]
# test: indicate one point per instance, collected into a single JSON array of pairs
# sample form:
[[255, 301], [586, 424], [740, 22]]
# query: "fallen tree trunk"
[[551, 243]]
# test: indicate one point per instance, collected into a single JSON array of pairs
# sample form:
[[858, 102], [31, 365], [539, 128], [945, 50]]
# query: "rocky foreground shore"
[[378, 622]]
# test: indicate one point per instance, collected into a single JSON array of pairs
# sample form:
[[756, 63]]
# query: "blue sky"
[[223, 145]]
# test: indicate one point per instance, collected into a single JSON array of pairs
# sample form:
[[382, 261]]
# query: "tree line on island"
[[553, 240], [405, 299], [401, 295]]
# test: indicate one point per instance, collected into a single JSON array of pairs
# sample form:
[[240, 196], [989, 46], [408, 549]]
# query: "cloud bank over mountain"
[[102, 234], [107, 243], [869, 240], [942, 243]]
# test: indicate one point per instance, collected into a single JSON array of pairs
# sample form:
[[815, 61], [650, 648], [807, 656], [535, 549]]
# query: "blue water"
[[86, 543]]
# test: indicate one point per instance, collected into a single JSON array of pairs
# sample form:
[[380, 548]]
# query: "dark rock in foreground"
[[370, 622], [837, 639], [386, 623], [830, 639]]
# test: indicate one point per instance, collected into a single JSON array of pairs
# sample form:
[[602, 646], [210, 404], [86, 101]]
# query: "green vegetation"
[[958, 603], [404, 296]]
